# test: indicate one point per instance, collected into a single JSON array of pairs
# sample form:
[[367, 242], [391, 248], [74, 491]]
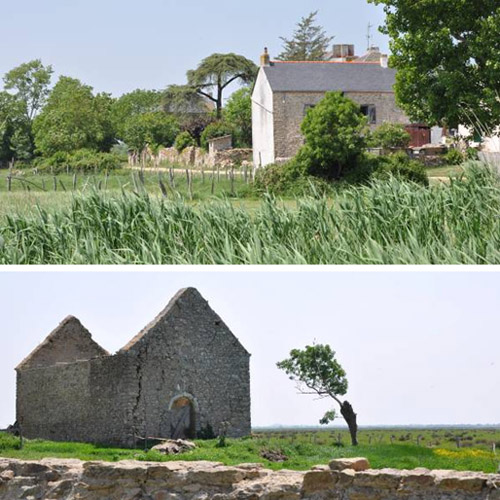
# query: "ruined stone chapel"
[[183, 375]]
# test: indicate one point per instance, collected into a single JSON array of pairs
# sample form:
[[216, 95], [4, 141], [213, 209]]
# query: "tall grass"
[[301, 452], [388, 222]]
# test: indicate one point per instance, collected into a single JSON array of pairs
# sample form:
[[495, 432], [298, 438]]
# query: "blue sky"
[[120, 45], [418, 347]]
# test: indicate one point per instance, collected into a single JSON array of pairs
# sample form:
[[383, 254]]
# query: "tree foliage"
[[447, 54], [317, 371], [74, 118], [309, 42], [183, 141], [216, 72], [238, 114], [30, 84], [334, 136], [132, 104], [16, 141], [191, 109], [215, 129], [151, 129], [390, 135]]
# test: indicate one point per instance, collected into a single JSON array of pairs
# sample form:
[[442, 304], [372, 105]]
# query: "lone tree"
[[318, 372], [309, 43], [216, 72], [447, 57]]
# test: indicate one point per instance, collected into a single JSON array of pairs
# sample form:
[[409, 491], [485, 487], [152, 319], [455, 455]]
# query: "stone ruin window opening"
[[183, 417]]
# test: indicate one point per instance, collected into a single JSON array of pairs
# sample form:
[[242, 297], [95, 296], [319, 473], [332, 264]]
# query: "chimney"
[[384, 61], [343, 53], [265, 59]]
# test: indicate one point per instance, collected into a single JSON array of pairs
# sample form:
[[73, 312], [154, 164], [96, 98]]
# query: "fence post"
[[190, 184], [9, 178], [213, 182], [172, 180], [231, 175], [74, 181]]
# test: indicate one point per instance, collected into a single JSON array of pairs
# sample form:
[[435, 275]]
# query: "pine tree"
[[309, 43]]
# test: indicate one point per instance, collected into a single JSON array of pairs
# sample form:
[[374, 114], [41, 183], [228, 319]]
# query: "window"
[[370, 112]]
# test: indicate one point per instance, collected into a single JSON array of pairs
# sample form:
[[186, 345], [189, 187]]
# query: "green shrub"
[[401, 166], [183, 141], [454, 157], [334, 136], [215, 129], [364, 169], [288, 179], [389, 136], [472, 154], [84, 160]]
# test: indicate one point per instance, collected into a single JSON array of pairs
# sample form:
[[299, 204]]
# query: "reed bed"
[[389, 222]]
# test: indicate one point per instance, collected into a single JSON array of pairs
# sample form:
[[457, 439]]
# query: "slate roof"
[[326, 76]]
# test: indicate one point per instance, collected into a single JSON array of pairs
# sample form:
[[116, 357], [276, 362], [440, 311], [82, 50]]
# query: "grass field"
[[303, 449], [388, 222]]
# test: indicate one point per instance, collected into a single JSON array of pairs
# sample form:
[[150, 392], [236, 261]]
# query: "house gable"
[[69, 342], [186, 310]]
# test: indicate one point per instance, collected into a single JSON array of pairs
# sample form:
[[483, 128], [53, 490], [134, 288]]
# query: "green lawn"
[[445, 171], [303, 449]]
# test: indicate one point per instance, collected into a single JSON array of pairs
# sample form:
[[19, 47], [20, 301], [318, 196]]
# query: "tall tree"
[[16, 140], [192, 110], [133, 104], [318, 372], [309, 42], [150, 129], [238, 114], [73, 118], [30, 83], [216, 72], [447, 54]]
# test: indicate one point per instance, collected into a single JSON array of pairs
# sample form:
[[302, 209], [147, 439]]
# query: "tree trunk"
[[219, 103], [350, 417]]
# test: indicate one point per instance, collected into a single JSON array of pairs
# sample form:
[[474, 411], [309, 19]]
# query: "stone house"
[[284, 91], [182, 376]]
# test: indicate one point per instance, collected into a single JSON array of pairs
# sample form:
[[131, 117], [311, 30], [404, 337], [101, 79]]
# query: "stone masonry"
[[74, 480], [290, 109], [182, 376]]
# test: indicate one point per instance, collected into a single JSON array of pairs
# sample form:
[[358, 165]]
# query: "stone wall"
[[81, 401], [74, 480], [290, 109], [187, 351], [198, 158], [70, 341]]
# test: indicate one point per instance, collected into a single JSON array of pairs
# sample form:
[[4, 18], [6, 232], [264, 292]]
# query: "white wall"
[[489, 145], [262, 122]]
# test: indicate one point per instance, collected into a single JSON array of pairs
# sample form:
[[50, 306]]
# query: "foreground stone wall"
[[53, 479]]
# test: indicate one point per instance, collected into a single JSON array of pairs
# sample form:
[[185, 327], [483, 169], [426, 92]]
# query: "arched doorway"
[[182, 410]]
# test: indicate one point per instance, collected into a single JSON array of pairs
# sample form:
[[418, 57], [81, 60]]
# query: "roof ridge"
[[52, 335], [326, 62], [164, 312]]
